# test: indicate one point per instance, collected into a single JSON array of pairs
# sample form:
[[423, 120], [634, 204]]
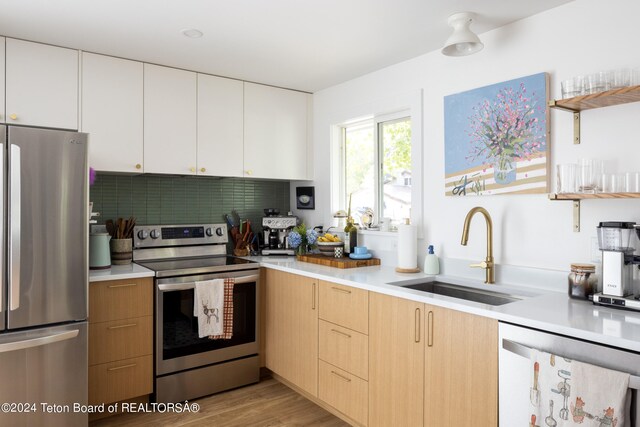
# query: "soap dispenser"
[[431, 262]]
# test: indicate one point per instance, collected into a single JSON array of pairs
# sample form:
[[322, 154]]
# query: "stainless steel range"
[[187, 366]]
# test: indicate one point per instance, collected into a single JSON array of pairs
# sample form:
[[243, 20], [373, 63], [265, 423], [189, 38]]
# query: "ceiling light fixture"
[[192, 33], [463, 41]]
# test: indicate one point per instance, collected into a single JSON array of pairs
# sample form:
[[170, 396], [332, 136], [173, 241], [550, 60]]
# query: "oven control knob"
[[154, 234], [209, 232], [142, 234], [219, 231]]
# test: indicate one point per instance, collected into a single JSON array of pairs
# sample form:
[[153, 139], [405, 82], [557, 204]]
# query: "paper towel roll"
[[407, 246]]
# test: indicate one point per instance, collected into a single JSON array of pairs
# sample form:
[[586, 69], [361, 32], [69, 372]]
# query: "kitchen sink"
[[461, 292]]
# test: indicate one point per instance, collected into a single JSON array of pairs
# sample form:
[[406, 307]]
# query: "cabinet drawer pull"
[[344, 291], [341, 333], [341, 376], [117, 368], [430, 329], [417, 327], [313, 297], [124, 285], [128, 325]]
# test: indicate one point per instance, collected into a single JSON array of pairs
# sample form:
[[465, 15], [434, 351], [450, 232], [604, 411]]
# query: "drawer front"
[[115, 381], [120, 299], [344, 348], [120, 339], [345, 392], [344, 306]]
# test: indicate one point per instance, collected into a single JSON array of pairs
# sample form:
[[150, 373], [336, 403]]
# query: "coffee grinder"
[[276, 230], [618, 262]]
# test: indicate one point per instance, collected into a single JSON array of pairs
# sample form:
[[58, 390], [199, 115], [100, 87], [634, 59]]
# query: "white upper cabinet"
[[275, 132], [112, 112], [41, 85], [220, 126], [169, 120]]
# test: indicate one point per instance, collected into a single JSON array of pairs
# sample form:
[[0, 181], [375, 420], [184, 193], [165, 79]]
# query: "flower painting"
[[496, 138]]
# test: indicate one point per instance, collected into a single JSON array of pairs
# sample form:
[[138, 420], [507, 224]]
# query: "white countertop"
[[120, 272], [540, 309]]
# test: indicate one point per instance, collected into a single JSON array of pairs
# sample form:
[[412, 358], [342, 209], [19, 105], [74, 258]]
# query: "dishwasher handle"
[[524, 351], [192, 285]]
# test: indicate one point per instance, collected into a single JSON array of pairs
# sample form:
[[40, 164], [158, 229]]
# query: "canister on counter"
[[583, 281]]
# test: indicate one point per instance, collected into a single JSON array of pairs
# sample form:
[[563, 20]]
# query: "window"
[[376, 163]]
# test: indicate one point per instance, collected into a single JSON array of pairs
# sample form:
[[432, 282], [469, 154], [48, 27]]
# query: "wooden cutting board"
[[345, 262]]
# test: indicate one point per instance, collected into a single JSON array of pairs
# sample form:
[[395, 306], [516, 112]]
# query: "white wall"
[[530, 231]]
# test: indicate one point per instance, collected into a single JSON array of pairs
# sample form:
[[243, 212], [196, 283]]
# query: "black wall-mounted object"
[[305, 198]]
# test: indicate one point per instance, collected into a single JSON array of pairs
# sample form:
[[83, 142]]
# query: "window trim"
[[407, 104]]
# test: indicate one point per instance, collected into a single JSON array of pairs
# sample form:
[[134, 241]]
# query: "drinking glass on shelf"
[[632, 182], [566, 178], [621, 78], [598, 82], [588, 172], [613, 182]]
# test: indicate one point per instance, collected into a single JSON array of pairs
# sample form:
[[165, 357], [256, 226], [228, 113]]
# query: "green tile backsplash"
[[156, 199]]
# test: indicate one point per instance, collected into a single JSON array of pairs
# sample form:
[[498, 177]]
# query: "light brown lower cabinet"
[[344, 391], [291, 328], [461, 369], [431, 366], [124, 379], [396, 361], [120, 340]]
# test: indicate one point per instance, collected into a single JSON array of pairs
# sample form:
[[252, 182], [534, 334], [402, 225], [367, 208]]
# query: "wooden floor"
[[268, 403]]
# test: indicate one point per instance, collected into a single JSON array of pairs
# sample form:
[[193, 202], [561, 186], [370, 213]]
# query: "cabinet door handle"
[[192, 169], [430, 329], [203, 170], [138, 166], [117, 368], [128, 325], [341, 376], [417, 327], [344, 291], [313, 296], [125, 285], [248, 172], [13, 116], [341, 333]]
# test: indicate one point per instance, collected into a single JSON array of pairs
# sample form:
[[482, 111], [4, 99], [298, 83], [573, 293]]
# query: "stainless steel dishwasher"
[[515, 380]]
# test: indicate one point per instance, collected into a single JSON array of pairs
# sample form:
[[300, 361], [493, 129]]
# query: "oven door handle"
[[192, 285]]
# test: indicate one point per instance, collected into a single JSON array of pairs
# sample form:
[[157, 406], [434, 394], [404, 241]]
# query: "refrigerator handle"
[[1, 228], [14, 227], [38, 342]]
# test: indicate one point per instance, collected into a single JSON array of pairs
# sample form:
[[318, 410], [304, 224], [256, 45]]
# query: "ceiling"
[[306, 45]]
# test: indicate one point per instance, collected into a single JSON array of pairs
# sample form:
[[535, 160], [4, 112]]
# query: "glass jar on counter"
[[583, 281]]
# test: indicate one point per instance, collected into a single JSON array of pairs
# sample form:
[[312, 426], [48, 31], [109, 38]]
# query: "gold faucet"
[[487, 264]]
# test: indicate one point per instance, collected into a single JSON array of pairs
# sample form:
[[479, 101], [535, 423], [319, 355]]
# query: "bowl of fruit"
[[327, 244]]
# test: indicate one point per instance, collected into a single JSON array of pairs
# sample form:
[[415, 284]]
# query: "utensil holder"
[[121, 251]]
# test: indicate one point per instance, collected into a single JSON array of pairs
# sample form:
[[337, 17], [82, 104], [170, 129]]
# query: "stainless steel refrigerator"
[[43, 309]]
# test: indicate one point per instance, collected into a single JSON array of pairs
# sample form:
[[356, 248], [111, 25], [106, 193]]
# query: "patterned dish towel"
[[571, 393], [227, 312], [208, 306]]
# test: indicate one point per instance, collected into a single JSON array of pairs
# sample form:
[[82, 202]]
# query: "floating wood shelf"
[[577, 197], [619, 96], [609, 98], [583, 196]]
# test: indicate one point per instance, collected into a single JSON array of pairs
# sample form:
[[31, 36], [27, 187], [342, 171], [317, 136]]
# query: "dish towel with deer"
[[208, 306], [567, 392]]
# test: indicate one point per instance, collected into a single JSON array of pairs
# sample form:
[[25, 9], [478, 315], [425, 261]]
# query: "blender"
[[618, 261]]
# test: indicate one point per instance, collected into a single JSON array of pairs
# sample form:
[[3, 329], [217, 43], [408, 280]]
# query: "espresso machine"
[[618, 263], [275, 229]]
